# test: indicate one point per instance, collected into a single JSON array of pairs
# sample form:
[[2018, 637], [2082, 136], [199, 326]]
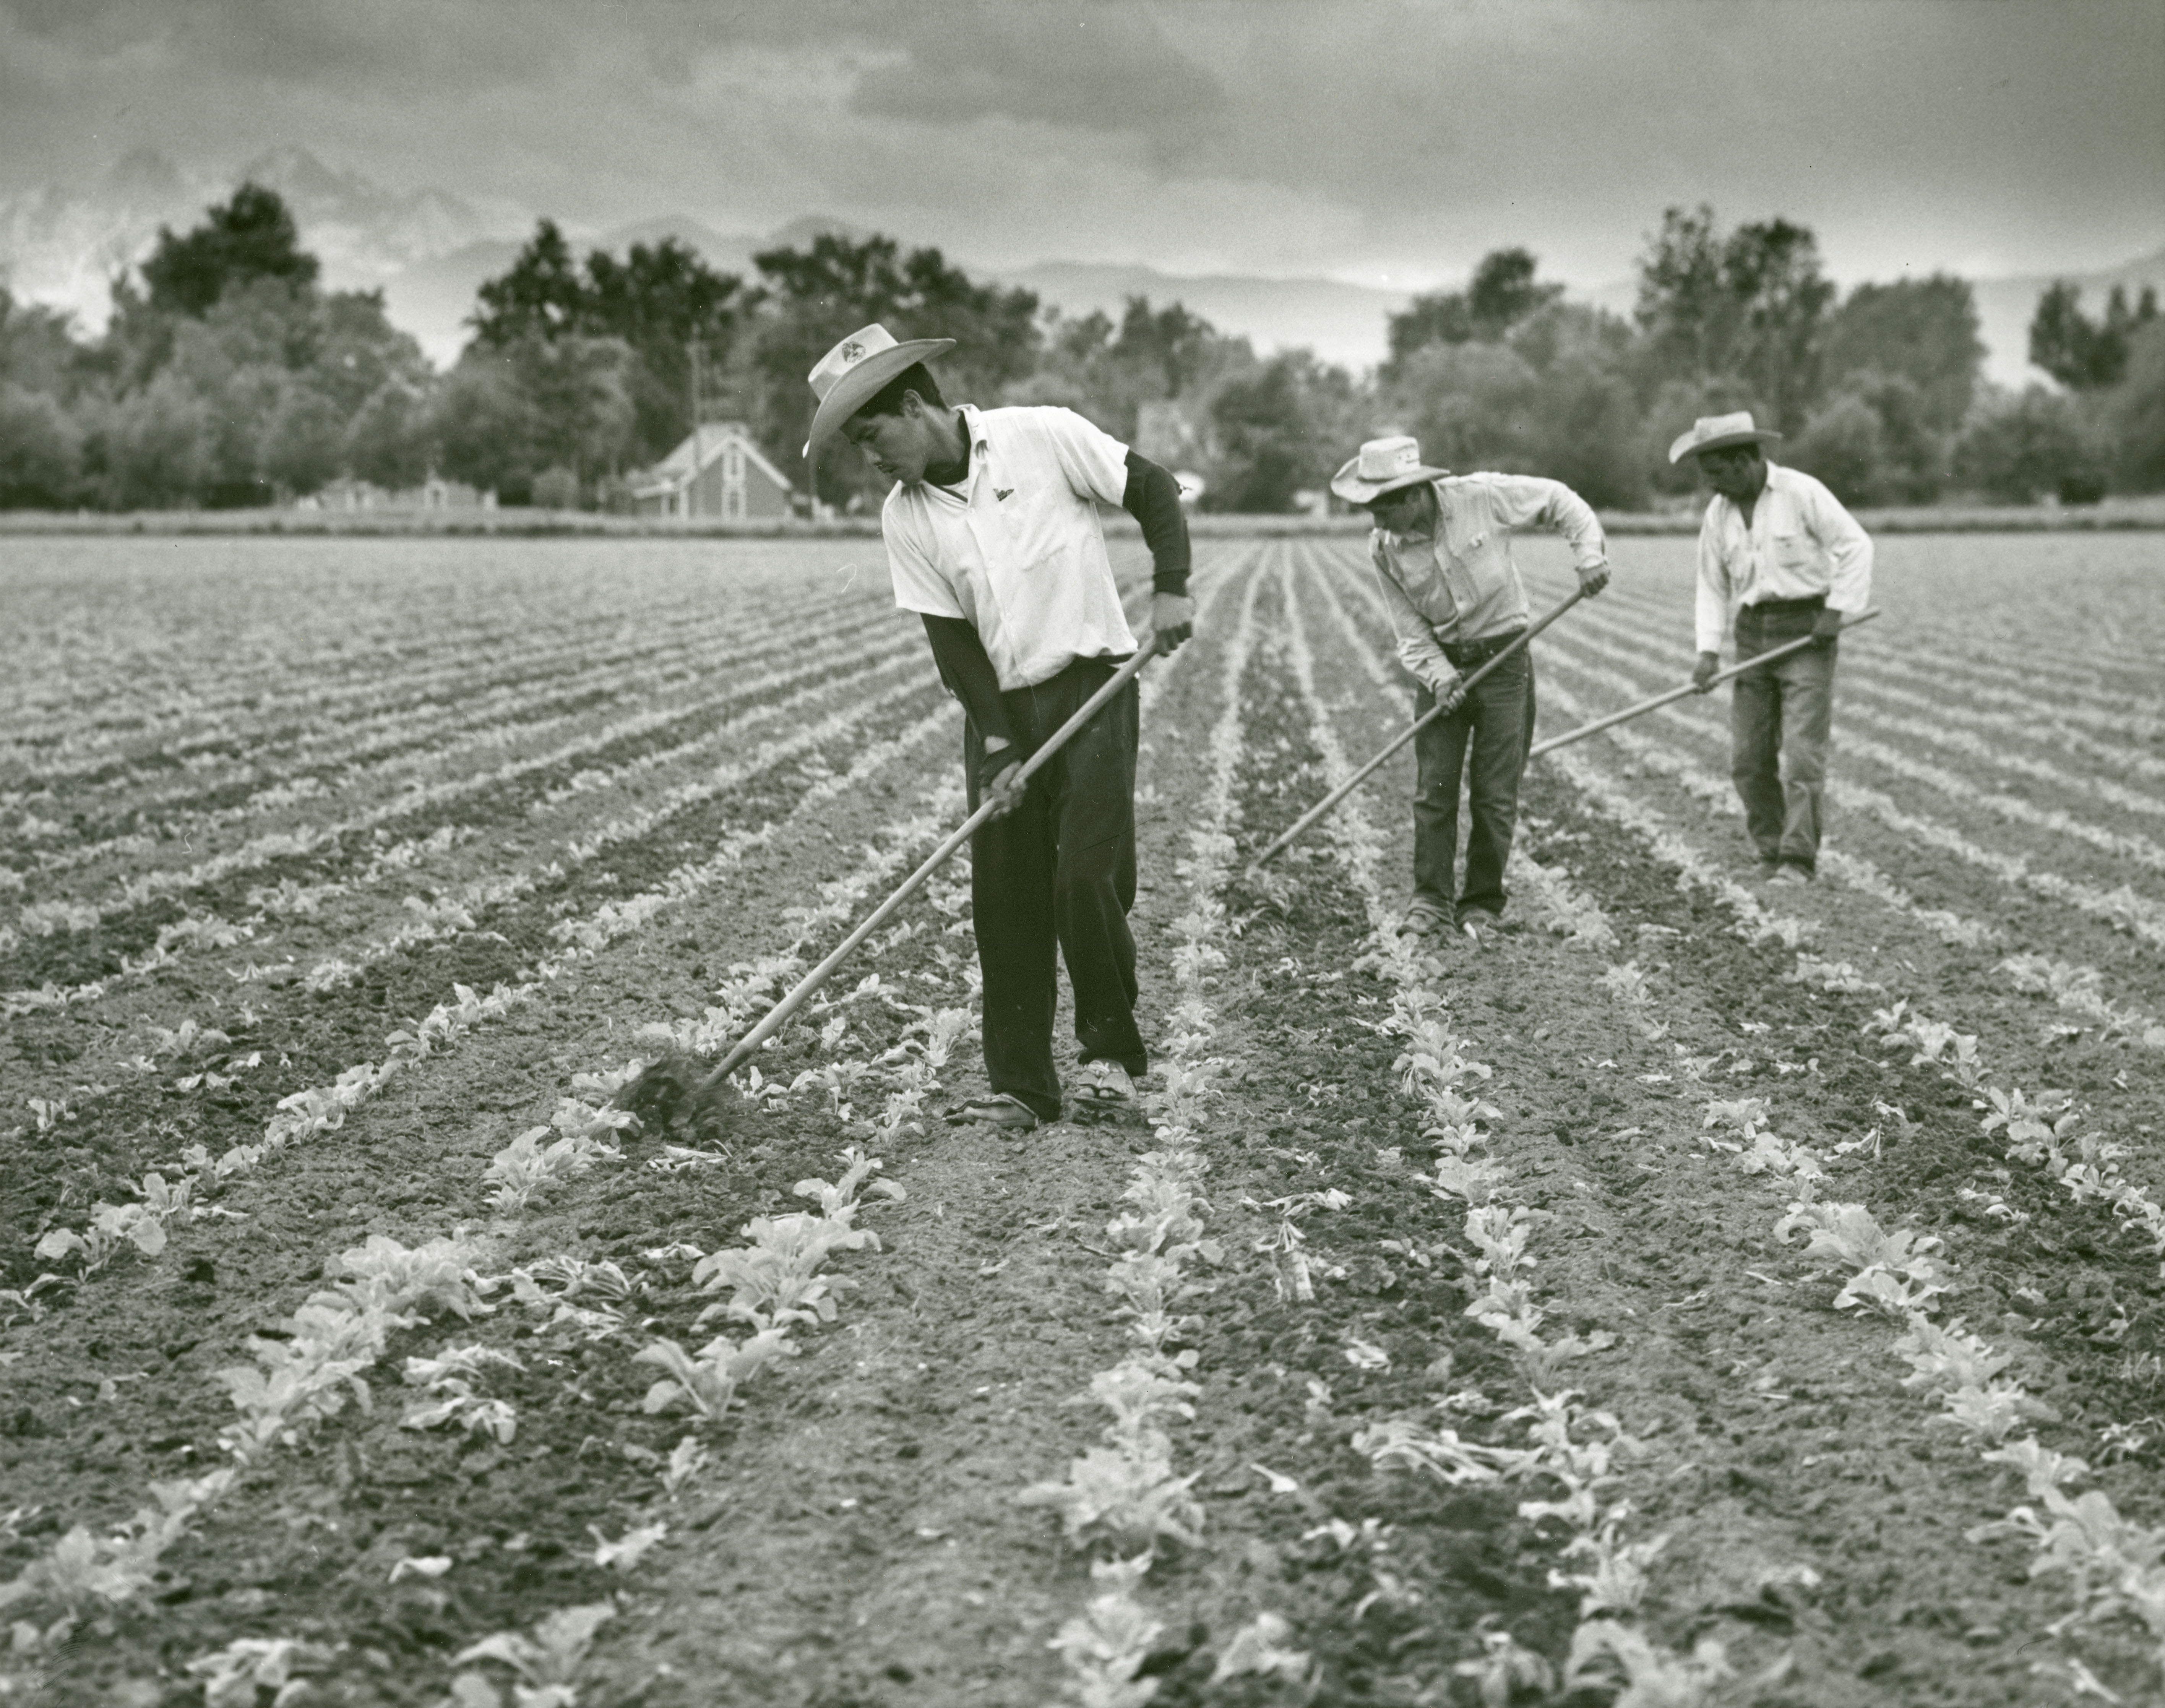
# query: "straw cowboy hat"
[[848, 373], [1383, 465], [1720, 432]]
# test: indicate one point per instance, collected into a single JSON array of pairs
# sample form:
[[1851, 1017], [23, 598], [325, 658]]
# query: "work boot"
[[1424, 919]]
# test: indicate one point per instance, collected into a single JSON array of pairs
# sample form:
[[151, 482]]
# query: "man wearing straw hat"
[[1778, 550], [1442, 552], [993, 539]]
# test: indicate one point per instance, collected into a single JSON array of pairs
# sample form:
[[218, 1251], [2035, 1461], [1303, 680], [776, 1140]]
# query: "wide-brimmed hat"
[[1383, 465], [855, 368], [1720, 432]]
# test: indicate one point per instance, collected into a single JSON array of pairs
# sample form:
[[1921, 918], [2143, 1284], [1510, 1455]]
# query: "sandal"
[[1107, 1092], [1000, 1110]]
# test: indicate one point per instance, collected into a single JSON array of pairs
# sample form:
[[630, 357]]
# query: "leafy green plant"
[[231, 1677], [547, 1664], [1504, 1671], [1607, 1656], [84, 1567], [1104, 1646], [1895, 1270], [626, 1552], [448, 1378], [708, 1380]]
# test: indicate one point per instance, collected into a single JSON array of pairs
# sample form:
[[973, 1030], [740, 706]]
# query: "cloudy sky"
[[1386, 142]]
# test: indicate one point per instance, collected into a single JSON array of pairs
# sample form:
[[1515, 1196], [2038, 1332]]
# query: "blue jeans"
[[1778, 720], [1485, 742]]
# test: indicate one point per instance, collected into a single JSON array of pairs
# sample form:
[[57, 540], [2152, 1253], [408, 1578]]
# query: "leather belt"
[[1810, 602], [1479, 652]]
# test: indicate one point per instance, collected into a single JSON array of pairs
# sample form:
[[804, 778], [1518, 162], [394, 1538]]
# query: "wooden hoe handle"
[[775, 1016]]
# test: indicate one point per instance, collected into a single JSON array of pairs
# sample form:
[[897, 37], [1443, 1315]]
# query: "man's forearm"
[[1152, 497], [966, 670]]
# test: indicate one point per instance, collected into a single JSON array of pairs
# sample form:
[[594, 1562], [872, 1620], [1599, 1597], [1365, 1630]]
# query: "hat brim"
[[1685, 447], [854, 387], [1348, 485]]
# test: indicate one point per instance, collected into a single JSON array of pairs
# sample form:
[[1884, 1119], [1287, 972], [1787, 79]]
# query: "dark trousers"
[[1059, 871], [1779, 716], [1485, 742]]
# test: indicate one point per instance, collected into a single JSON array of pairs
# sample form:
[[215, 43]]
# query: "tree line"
[[228, 376]]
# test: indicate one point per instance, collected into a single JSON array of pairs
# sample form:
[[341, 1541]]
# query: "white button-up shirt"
[[1462, 584], [1801, 542], [1017, 551]]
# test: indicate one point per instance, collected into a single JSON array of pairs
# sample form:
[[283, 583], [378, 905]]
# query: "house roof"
[[699, 451]]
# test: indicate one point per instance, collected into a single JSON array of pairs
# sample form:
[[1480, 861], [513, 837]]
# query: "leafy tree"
[[1175, 348], [507, 415], [818, 294], [1277, 428], [1873, 443], [1845, 446], [1585, 432], [387, 440], [2082, 354], [1502, 294], [1748, 306], [1472, 406], [1923, 329], [2133, 413], [660, 301], [540, 295], [159, 448], [483, 424], [252, 236], [41, 450], [2017, 448], [1264, 449], [38, 352], [1108, 371]]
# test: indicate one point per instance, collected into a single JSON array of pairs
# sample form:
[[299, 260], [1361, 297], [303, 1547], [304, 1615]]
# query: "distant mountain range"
[[429, 250]]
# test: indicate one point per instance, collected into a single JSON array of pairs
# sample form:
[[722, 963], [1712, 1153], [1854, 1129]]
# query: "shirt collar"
[[974, 442]]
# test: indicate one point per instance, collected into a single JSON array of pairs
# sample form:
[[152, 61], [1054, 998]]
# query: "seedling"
[[626, 1552], [547, 1662], [708, 1380]]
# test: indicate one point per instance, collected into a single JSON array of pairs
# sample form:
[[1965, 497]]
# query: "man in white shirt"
[[1442, 553], [1778, 550], [993, 539]]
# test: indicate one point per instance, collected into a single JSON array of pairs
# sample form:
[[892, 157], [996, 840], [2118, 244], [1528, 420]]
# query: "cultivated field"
[[1694, 1294]]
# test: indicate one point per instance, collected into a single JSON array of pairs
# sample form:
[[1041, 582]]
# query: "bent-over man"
[[1442, 552], [1777, 549], [993, 539]]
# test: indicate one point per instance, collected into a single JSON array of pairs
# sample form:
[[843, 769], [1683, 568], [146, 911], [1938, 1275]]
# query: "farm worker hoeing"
[[1779, 549], [1442, 551], [994, 537]]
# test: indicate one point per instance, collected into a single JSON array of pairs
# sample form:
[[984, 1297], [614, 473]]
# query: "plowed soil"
[[853, 1537]]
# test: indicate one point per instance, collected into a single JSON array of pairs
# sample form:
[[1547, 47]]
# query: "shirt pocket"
[[1036, 529], [1795, 550]]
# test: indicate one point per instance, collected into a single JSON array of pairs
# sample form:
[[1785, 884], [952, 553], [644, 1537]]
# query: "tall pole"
[[698, 431]]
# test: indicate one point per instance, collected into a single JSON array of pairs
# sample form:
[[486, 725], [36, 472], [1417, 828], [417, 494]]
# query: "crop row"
[[141, 661], [777, 1283], [340, 755], [2114, 1567], [2119, 846]]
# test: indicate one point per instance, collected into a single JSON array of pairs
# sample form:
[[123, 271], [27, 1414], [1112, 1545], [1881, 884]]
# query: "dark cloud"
[[1395, 139], [1096, 69]]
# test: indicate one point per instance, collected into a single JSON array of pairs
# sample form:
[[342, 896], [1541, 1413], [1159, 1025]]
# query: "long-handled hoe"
[[682, 1087], [1405, 735], [1638, 707]]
